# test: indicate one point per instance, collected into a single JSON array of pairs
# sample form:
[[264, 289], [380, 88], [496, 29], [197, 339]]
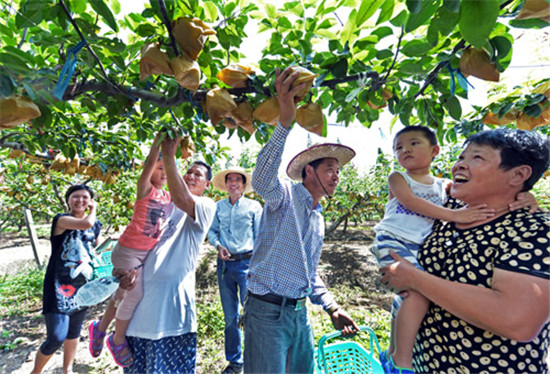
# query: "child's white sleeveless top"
[[407, 224]]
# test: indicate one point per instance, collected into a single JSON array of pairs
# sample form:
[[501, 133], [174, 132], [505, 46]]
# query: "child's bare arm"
[[402, 192], [144, 182], [525, 200]]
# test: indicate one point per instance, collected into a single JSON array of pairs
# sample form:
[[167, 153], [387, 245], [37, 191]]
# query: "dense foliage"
[[370, 56]]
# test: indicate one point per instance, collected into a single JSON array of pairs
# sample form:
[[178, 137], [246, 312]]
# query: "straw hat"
[[219, 179], [326, 150]]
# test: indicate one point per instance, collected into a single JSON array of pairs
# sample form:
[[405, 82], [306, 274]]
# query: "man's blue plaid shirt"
[[288, 247]]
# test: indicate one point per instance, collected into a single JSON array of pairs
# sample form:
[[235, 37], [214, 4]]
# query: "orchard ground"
[[346, 266]]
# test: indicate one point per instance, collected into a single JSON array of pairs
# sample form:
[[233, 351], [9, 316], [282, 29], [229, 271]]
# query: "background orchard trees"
[[403, 57]]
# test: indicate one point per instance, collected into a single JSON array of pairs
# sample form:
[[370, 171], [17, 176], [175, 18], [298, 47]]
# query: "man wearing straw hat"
[[233, 231], [283, 269]]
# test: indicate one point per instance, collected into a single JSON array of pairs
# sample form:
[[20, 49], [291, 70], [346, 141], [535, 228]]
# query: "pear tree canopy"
[[104, 84]]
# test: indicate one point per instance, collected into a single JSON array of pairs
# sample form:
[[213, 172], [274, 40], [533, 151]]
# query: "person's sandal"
[[96, 339], [123, 360]]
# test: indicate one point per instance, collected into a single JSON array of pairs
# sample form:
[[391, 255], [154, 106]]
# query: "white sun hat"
[[326, 150], [219, 179]]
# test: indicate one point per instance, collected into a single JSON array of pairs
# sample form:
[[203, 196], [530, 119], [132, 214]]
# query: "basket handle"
[[321, 361]]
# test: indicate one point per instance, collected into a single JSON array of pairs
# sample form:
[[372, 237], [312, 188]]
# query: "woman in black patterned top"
[[74, 235], [488, 282]]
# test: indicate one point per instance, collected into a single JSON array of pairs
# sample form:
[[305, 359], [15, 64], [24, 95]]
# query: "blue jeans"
[[232, 283], [60, 327], [277, 339]]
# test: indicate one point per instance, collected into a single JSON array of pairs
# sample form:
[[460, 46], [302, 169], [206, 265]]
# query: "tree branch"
[[168, 25], [460, 45], [435, 72], [396, 53], [66, 10], [74, 91]]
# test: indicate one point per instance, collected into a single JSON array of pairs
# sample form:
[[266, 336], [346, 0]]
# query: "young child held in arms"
[[415, 200], [139, 237]]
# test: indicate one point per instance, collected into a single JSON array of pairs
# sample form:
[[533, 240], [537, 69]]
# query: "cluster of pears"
[[191, 34], [220, 105], [67, 166], [523, 120]]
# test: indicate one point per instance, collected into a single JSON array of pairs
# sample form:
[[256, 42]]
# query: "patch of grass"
[[210, 337], [20, 293]]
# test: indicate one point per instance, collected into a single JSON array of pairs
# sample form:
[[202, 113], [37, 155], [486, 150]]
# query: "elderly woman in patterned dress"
[[488, 282]]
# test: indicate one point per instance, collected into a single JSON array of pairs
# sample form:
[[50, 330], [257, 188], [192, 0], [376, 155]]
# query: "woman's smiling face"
[[477, 175], [79, 201]]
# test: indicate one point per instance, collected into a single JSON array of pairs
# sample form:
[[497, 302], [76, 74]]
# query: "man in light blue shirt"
[[233, 231], [283, 269]]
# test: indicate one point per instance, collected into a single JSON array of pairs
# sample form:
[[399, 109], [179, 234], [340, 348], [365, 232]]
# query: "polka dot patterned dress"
[[517, 241]]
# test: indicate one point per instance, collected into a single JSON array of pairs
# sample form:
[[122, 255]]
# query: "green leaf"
[[400, 19], [30, 91], [445, 21], [383, 54], [115, 5], [416, 47], [432, 35], [419, 18], [382, 32], [532, 110], [349, 28], [414, 6], [502, 46], [17, 52], [146, 29], [271, 11], [452, 5], [211, 11], [386, 11], [366, 10], [531, 23], [340, 69], [477, 20], [103, 10], [411, 67], [6, 85], [452, 104], [79, 6]]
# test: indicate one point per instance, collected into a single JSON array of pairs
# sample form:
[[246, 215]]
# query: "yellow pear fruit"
[[186, 72], [543, 88], [60, 162], [219, 105], [45, 180], [15, 110], [535, 9], [94, 171], [243, 116], [187, 147], [235, 75], [310, 117], [15, 153], [491, 118], [306, 77], [268, 111], [386, 95], [191, 34], [153, 61], [476, 62], [527, 122]]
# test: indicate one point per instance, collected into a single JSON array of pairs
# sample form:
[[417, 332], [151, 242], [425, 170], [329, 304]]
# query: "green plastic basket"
[[347, 356], [101, 262]]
